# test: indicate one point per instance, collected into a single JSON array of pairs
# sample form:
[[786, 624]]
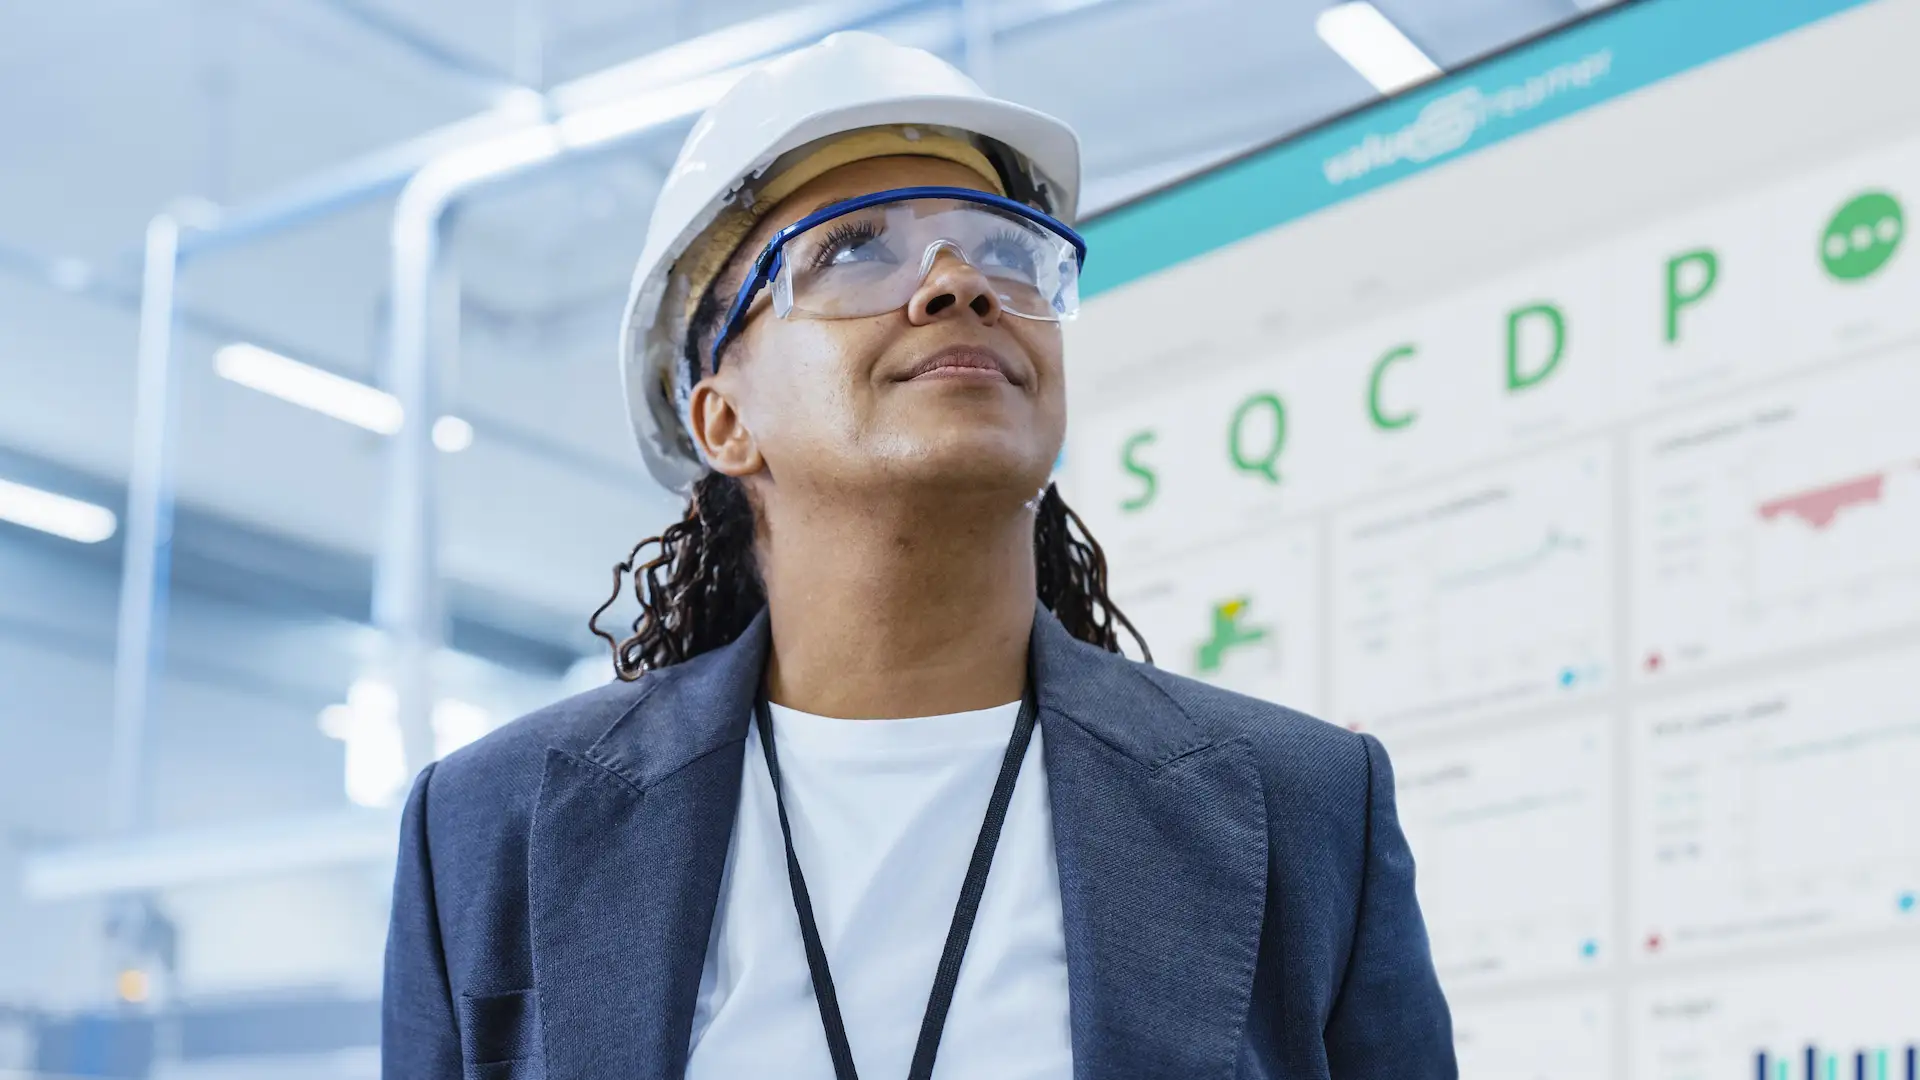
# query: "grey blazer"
[[1238, 897]]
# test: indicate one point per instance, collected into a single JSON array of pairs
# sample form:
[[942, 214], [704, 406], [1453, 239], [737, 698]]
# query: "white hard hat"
[[848, 82]]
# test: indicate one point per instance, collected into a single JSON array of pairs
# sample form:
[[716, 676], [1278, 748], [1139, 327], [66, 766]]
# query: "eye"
[[849, 242], [1008, 253]]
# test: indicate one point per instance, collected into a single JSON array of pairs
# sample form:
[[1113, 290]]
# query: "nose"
[[950, 287]]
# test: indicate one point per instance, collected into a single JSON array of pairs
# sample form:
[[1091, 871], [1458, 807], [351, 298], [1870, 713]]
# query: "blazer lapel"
[[1161, 837], [625, 858]]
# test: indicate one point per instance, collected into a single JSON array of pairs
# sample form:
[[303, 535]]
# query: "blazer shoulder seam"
[[1366, 866], [639, 787], [587, 760]]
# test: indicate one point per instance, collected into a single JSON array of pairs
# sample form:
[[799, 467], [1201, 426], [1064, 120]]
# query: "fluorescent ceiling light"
[[309, 387], [324, 392], [452, 434], [1374, 47], [57, 514]]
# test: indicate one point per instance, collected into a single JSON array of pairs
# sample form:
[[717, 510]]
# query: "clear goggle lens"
[[871, 261]]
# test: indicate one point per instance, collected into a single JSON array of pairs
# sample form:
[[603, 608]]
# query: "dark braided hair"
[[712, 588], [711, 585]]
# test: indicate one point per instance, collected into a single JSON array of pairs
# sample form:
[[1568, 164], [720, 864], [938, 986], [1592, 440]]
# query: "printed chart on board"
[[1564, 1037], [1779, 519], [1779, 809], [1520, 554], [1614, 544], [1805, 1021], [1514, 833], [1242, 616]]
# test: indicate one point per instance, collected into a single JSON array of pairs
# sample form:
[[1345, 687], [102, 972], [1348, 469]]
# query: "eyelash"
[[839, 237], [1015, 239]]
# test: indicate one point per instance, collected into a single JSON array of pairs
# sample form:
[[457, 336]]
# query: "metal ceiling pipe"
[[226, 852], [406, 582], [406, 587], [145, 562]]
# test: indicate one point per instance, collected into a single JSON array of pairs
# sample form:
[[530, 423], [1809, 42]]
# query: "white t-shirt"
[[885, 814]]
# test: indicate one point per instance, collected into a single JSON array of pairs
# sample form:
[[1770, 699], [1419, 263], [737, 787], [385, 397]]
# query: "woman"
[[876, 790]]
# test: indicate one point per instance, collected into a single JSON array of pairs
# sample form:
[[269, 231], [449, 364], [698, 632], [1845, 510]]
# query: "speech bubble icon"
[[1862, 236]]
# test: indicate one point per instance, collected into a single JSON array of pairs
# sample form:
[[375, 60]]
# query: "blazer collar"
[[1106, 695], [692, 710], [710, 699], [626, 852], [1159, 829]]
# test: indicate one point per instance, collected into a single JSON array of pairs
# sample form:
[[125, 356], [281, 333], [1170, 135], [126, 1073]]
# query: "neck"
[[882, 610]]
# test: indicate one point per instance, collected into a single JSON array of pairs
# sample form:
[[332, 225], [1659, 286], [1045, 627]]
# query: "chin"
[[978, 462]]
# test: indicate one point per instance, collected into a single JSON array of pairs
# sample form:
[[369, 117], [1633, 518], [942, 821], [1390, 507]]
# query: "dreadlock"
[[702, 586], [711, 588]]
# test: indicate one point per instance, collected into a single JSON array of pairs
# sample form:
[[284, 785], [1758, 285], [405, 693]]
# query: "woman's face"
[[948, 393]]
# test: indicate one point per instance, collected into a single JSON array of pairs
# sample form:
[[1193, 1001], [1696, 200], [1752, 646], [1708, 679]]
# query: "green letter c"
[[1380, 419]]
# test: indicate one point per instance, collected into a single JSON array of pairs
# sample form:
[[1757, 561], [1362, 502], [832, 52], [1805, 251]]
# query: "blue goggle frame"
[[767, 266]]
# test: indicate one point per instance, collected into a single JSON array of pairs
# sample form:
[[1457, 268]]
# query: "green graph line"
[[1512, 565]]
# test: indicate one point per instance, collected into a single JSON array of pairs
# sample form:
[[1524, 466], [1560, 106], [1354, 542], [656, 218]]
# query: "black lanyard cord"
[[947, 975]]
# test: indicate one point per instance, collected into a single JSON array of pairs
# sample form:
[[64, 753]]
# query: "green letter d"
[[1556, 322]]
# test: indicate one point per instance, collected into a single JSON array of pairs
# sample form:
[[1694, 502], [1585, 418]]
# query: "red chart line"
[[1820, 506]]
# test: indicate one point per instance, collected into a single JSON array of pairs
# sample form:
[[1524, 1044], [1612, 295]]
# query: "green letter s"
[[1127, 462]]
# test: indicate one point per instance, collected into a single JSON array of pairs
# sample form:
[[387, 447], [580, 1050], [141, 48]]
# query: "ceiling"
[[111, 110]]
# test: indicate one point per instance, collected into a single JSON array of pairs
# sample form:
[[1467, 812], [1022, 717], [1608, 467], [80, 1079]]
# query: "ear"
[[721, 432]]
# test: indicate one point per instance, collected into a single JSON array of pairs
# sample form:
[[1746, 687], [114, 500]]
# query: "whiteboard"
[[1555, 423]]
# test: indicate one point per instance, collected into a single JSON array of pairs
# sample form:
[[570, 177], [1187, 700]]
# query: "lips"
[[964, 362]]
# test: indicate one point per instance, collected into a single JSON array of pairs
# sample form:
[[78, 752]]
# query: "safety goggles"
[[868, 256]]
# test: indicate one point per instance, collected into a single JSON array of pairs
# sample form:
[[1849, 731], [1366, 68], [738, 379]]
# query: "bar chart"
[[1850, 1018], [1817, 1063]]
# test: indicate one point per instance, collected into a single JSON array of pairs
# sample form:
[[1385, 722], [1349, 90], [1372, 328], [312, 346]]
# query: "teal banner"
[[1598, 59]]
